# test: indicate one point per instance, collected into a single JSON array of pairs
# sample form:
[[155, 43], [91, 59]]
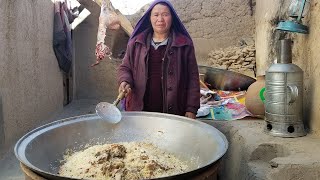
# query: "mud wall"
[[31, 86], [217, 24], [306, 56], [267, 17]]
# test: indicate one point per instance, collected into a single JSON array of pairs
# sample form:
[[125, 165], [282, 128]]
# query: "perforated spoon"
[[109, 112]]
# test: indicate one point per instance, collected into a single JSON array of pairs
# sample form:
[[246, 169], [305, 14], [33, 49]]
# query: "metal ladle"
[[110, 112]]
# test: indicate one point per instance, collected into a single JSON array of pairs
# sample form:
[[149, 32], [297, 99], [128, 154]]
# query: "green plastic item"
[[262, 94]]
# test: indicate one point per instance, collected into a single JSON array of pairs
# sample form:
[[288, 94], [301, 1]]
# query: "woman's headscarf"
[[144, 22]]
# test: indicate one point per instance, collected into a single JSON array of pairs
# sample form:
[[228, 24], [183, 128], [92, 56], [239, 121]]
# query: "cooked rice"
[[133, 160]]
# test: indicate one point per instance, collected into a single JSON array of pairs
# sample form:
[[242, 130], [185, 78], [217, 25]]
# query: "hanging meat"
[[108, 20]]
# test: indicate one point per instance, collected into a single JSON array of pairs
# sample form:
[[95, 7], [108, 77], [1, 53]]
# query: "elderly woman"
[[159, 72]]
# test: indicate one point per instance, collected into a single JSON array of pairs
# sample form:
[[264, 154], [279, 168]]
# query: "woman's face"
[[161, 19]]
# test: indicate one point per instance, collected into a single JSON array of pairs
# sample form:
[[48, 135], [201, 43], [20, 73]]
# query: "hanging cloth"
[[62, 40]]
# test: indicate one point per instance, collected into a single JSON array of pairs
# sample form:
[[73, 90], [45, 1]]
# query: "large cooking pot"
[[42, 149]]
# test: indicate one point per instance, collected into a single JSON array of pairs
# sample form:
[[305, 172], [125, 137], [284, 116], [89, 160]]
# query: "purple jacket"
[[181, 89], [180, 74]]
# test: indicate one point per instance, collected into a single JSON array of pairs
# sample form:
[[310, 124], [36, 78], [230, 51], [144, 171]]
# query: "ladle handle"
[[120, 96]]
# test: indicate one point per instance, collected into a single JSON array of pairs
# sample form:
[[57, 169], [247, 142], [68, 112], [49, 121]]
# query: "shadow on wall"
[[309, 101]]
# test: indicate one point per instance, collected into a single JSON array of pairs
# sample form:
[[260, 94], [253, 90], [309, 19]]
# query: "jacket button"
[[170, 108], [171, 52], [170, 88], [170, 72]]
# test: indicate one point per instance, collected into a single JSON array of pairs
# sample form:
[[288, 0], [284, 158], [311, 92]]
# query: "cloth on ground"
[[222, 105]]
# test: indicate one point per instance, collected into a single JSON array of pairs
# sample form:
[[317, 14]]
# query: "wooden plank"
[[125, 23], [99, 2]]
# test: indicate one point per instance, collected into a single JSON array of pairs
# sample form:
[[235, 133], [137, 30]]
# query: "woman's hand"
[[125, 87], [190, 115]]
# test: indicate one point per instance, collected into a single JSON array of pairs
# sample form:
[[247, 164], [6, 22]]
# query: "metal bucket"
[[284, 95], [42, 149]]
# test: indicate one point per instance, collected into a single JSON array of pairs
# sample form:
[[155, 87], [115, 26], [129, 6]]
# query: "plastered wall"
[[30, 80], [306, 56]]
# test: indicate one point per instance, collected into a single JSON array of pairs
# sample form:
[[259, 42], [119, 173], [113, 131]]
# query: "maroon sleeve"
[[125, 68]]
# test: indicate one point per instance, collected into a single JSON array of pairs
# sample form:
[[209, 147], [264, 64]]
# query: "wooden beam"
[[125, 23], [99, 2]]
